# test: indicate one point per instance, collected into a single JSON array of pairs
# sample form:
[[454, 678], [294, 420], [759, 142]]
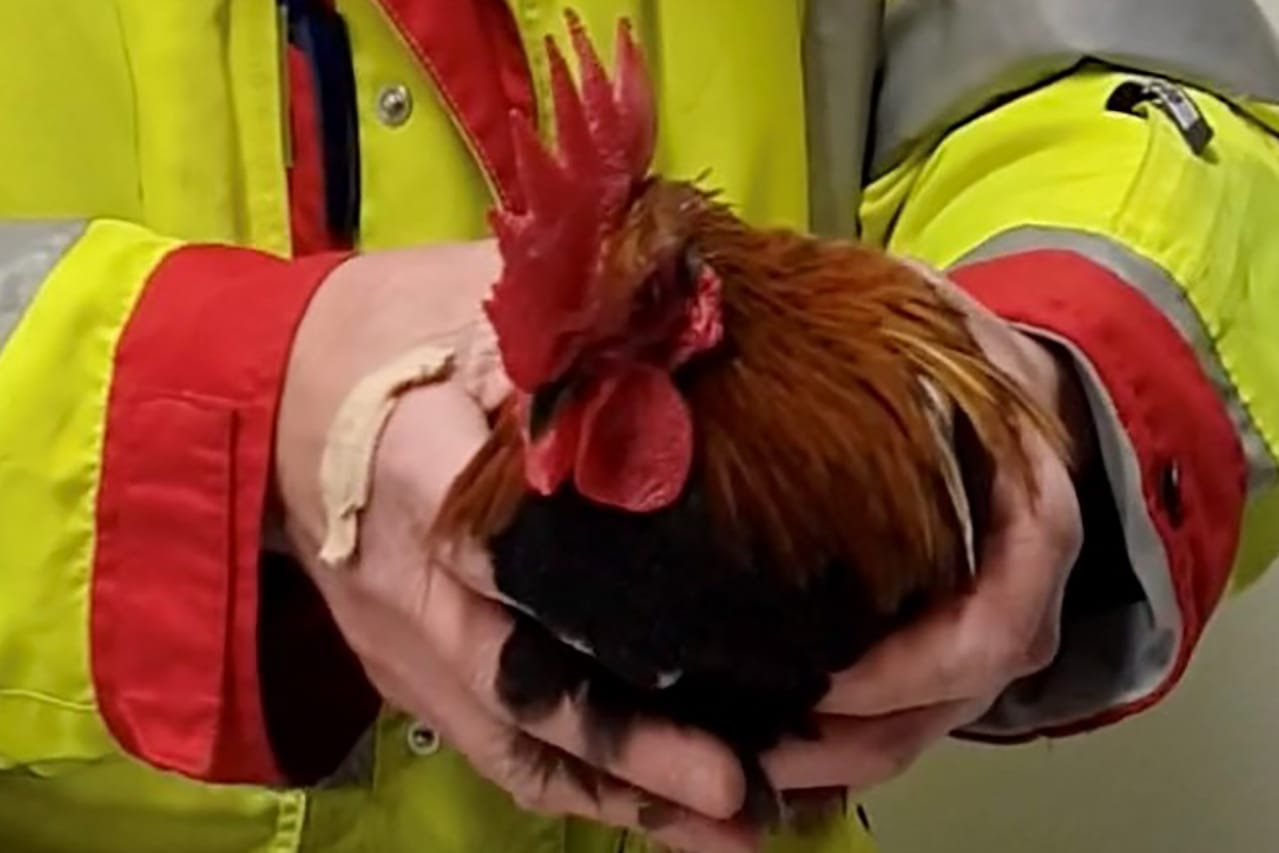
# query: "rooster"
[[734, 458]]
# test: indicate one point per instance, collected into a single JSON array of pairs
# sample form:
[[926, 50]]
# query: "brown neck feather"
[[813, 431]]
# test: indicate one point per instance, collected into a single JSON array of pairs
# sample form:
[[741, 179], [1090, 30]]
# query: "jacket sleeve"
[[1155, 267], [139, 378]]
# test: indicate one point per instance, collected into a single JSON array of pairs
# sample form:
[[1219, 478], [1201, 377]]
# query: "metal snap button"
[[423, 740], [394, 105]]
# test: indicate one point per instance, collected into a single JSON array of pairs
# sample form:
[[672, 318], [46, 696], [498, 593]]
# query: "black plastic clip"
[[1172, 101]]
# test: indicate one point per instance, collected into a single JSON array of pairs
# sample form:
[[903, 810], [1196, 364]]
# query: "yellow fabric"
[[450, 196], [171, 116], [57, 368], [193, 147], [477, 817], [1260, 548], [120, 806], [1057, 158], [735, 110], [74, 131], [704, 119]]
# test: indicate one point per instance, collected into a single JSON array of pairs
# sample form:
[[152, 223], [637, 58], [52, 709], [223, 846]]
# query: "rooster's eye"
[[546, 404], [690, 269], [649, 295]]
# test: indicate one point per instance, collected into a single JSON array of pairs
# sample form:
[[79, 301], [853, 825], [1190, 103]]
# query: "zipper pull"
[[1172, 101]]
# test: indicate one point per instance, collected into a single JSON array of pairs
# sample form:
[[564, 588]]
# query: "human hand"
[[944, 671], [428, 641]]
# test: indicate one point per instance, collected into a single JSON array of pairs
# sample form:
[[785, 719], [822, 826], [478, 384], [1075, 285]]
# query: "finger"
[[610, 802], [859, 753], [685, 767], [490, 745], [969, 646], [468, 562]]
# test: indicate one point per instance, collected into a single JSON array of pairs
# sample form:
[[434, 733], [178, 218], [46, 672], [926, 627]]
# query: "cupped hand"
[[428, 641], [944, 671]]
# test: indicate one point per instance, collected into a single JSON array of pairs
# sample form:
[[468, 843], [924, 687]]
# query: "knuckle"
[[895, 761], [1007, 654], [512, 771], [528, 799], [530, 793], [1067, 532], [1042, 650], [479, 666], [482, 680], [978, 652], [997, 649], [900, 761]]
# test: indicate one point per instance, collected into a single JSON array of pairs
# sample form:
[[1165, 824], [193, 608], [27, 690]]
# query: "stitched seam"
[[45, 698], [472, 142]]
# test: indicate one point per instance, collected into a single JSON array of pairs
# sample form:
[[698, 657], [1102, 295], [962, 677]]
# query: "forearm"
[[1107, 235]]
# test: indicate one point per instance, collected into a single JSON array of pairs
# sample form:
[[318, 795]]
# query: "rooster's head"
[[601, 296]]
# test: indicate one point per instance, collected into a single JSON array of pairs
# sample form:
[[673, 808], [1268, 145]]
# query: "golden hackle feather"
[[815, 434], [814, 426]]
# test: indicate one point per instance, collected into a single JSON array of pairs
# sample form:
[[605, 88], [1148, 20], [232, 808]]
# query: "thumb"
[[479, 369]]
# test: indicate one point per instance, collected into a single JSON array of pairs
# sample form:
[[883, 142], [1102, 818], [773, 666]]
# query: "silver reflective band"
[[1119, 655], [28, 251], [947, 59], [1162, 291], [1122, 654]]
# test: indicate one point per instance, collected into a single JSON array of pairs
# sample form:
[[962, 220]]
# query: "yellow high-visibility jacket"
[[179, 175]]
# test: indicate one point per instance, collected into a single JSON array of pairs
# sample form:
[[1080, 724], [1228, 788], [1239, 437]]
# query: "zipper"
[[319, 31]]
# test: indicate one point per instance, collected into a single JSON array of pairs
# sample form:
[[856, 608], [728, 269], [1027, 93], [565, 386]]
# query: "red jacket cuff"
[[185, 469], [1176, 454]]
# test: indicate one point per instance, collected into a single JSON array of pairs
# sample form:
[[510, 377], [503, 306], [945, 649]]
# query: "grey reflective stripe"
[[841, 49], [1160, 288], [28, 251], [947, 59], [1109, 658]]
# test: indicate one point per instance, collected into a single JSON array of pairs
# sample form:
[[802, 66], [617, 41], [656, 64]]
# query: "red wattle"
[[635, 447]]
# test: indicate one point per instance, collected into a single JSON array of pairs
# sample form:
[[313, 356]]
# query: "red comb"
[[551, 249]]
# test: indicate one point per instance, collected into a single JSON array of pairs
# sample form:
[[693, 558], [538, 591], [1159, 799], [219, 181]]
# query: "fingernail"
[[712, 791]]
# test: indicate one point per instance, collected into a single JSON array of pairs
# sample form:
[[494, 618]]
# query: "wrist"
[[1058, 386], [370, 311], [1074, 411]]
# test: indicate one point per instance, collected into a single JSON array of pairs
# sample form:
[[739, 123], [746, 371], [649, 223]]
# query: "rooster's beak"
[[546, 404]]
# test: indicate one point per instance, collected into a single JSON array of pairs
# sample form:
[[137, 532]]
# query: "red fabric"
[[185, 467], [308, 221], [473, 53], [1169, 408]]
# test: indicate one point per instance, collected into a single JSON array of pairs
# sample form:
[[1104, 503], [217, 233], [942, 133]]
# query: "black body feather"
[[653, 596]]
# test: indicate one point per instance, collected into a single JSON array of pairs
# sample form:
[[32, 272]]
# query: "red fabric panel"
[[1169, 408], [473, 53], [185, 468], [306, 176]]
